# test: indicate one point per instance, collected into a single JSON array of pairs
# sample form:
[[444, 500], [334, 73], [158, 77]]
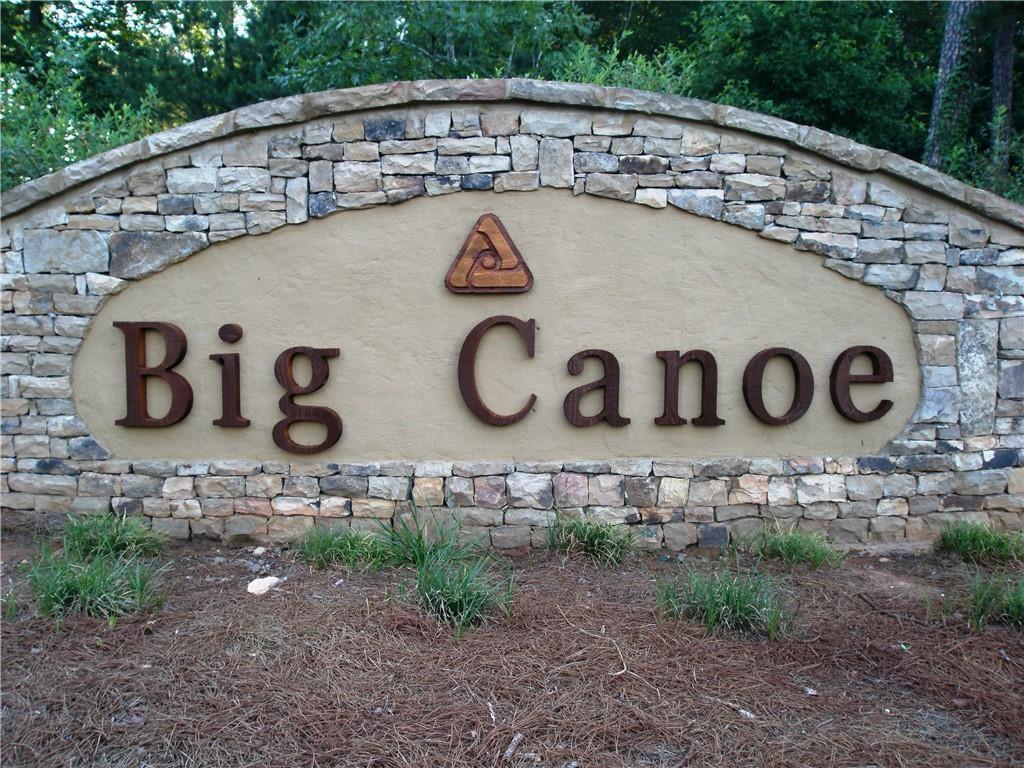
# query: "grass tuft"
[[64, 583], [415, 540], [725, 600], [977, 543], [324, 547], [997, 599], [795, 547], [110, 536], [607, 544], [10, 605], [461, 594]]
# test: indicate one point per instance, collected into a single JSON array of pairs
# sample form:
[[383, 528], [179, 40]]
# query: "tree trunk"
[[1002, 91], [954, 43]]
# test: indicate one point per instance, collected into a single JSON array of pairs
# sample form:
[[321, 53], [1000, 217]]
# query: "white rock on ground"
[[264, 585]]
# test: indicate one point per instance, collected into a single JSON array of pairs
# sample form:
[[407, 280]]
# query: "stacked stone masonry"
[[951, 256]]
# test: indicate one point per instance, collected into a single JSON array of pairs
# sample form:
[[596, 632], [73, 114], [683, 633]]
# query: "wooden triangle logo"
[[489, 262]]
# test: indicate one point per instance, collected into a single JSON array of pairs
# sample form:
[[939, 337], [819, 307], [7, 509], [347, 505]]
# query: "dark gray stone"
[[642, 491], [382, 129], [712, 536], [55, 467], [478, 181], [86, 448], [1011, 379], [979, 257], [175, 205], [322, 204], [807, 191], [642, 164], [138, 254], [343, 485], [1000, 459], [721, 468]]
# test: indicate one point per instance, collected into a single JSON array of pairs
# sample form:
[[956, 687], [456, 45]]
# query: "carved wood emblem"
[[489, 262]]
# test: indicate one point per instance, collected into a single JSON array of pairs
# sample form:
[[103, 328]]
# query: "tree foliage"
[[80, 77]]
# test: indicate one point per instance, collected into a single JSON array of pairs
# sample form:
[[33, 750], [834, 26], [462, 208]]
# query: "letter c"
[[467, 369]]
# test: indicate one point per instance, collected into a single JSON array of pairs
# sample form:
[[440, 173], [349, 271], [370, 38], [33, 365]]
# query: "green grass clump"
[[997, 599], [607, 544], [795, 547], [725, 600], [110, 536], [324, 547], [977, 543], [461, 594], [64, 583], [414, 540]]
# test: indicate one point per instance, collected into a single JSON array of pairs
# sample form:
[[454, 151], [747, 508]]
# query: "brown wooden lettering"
[[609, 383], [137, 373], [230, 381], [467, 369], [841, 379], [753, 384], [708, 388], [283, 371]]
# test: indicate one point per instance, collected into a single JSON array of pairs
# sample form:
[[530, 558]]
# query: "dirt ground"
[[335, 668]]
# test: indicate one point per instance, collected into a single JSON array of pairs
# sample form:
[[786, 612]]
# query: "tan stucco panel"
[[610, 275]]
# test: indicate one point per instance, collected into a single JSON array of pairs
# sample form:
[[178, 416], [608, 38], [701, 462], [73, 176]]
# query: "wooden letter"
[[296, 413], [230, 381], [841, 379], [609, 382], [137, 372], [467, 369], [708, 388], [753, 383]]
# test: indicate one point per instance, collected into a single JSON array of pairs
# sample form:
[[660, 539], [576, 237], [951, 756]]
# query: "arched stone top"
[[305, 107]]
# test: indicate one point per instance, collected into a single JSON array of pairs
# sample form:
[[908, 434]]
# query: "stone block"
[[392, 488], [137, 254], [679, 536], [190, 508], [358, 177], [703, 202], [713, 535], [612, 185], [710, 493], [381, 509], [172, 528], [221, 487], [74, 251], [749, 489], [554, 123], [510, 536], [555, 163], [530, 490], [814, 488], [489, 491]]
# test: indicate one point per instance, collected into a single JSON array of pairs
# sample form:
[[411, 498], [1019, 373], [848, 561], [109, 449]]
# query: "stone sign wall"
[[657, 226]]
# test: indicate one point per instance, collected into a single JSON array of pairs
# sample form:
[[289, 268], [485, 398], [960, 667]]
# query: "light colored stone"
[[70, 251], [815, 488], [357, 177], [707, 493], [555, 162], [293, 505], [530, 490], [613, 185], [673, 492], [554, 123]]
